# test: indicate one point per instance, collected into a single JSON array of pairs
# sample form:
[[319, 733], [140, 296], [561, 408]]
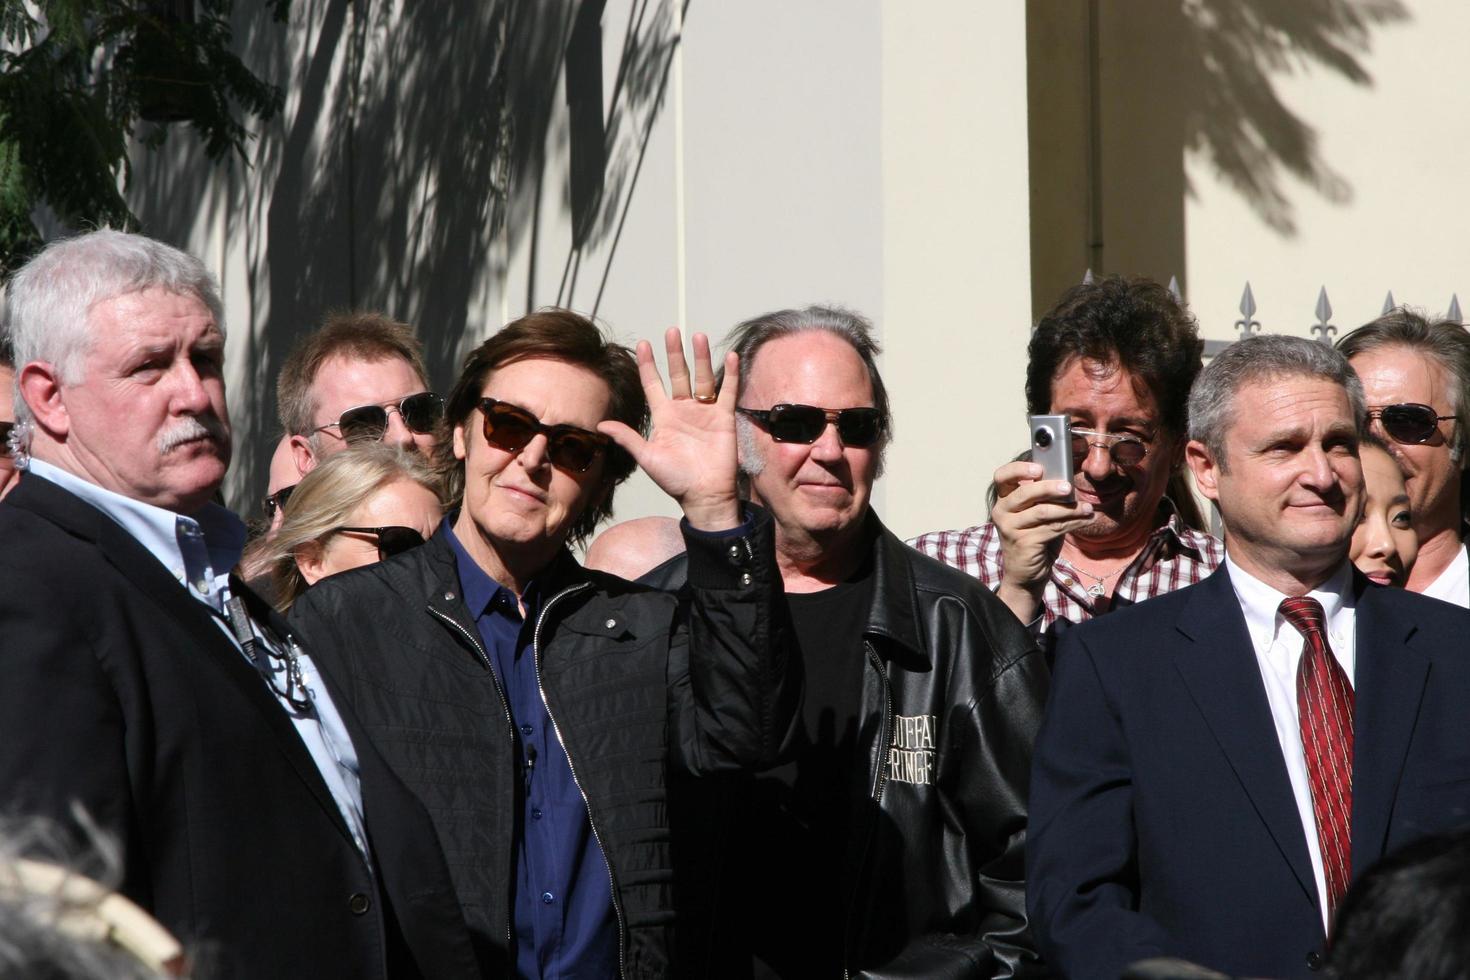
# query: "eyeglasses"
[[276, 501], [368, 423], [569, 447], [392, 540], [5, 429], [1409, 423], [857, 427], [1125, 450]]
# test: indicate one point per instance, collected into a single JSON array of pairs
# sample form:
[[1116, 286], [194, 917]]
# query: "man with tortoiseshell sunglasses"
[[538, 708], [1416, 375]]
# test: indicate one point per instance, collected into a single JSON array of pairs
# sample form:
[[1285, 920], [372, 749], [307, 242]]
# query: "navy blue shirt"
[[565, 925]]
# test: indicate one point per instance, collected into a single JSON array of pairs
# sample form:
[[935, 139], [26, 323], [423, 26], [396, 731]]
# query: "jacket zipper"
[[879, 779], [505, 705], [556, 729]]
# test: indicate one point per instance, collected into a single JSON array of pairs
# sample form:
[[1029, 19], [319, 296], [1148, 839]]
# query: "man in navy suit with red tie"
[[1217, 764]]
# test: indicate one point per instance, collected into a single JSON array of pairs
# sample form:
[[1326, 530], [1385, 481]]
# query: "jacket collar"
[[894, 614], [206, 641]]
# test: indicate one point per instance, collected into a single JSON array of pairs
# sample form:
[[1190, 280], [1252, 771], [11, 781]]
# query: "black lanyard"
[[295, 694]]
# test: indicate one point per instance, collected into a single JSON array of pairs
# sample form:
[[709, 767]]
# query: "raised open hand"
[[690, 453]]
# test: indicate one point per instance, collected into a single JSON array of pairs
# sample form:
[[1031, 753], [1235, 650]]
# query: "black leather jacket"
[[635, 681], [953, 691]]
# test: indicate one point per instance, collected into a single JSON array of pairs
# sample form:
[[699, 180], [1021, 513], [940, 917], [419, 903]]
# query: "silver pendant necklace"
[[1099, 587]]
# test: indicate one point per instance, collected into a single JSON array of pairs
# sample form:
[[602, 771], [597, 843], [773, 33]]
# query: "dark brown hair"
[[557, 335], [1134, 323]]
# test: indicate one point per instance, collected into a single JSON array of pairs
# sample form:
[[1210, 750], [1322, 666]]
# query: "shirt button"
[[526, 729], [745, 578], [358, 904], [547, 898], [536, 813], [610, 623], [1314, 960]]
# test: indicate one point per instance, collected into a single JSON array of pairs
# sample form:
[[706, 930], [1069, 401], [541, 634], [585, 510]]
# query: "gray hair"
[[50, 300], [1445, 342], [749, 337], [324, 500], [1262, 358]]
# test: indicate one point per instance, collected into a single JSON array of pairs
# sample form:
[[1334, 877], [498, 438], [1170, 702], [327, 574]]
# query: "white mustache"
[[190, 428]]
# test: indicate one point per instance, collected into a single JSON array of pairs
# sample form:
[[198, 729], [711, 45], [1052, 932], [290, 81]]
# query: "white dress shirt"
[[1278, 647], [199, 552], [1453, 584]]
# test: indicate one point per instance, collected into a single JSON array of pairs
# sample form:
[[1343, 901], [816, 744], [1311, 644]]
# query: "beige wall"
[[956, 255], [1385, 206], [946, 174]]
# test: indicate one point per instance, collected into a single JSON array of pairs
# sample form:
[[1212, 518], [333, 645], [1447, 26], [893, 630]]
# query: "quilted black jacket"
[[635, 680]]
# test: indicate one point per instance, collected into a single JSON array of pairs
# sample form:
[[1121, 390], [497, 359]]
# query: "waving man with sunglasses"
[[536, 706], [1416, 375]]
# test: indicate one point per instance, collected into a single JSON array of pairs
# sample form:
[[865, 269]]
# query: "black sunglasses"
[[392, 539], [1409, 423], [5, 430], [569, 447], [857, 427], [1125, 450], [276, 501], [368, 423]]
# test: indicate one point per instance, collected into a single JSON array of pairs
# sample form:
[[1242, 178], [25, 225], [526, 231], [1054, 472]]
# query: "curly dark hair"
[[559, 335], [1134, 323]]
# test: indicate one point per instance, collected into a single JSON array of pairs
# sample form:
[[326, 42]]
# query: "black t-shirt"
[[800, 813]]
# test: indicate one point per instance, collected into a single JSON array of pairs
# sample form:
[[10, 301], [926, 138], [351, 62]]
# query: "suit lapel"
[[1219, 667], [144, 572], [1389, 678]]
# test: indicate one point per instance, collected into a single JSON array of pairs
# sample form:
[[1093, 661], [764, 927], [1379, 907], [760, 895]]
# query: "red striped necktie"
[[1324, 700]]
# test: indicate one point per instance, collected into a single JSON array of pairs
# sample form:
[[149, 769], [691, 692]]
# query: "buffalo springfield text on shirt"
[[911, 757]]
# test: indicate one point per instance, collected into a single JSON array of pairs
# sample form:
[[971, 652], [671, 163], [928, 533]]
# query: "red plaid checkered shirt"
[[1174, 556]]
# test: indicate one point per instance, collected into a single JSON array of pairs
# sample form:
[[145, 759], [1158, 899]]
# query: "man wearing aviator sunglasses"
[[361, 377], [535, 706], [1416, 375]]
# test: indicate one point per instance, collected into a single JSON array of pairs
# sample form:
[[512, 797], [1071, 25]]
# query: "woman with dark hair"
[[535, 706]]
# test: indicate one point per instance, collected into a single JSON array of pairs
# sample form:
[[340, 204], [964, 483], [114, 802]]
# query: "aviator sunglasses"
[[368, 423], [393, 539], [857, 427], [1409, 423], [1125, 450], [511, 428]]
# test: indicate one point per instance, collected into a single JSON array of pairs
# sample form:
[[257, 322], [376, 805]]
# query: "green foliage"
[[79, 77]]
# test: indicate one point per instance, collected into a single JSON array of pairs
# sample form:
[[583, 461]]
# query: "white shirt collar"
[[198, 551], [1260, 602]]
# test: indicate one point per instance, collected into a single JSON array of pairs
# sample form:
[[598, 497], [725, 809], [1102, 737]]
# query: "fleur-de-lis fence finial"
[[1247, 325], [1388, 304], [1323, 328], [1174, 289], [1087, 277], [1454, 311]]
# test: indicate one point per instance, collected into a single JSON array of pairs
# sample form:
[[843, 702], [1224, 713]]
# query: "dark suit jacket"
[[119, 693], [1162, 817]]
